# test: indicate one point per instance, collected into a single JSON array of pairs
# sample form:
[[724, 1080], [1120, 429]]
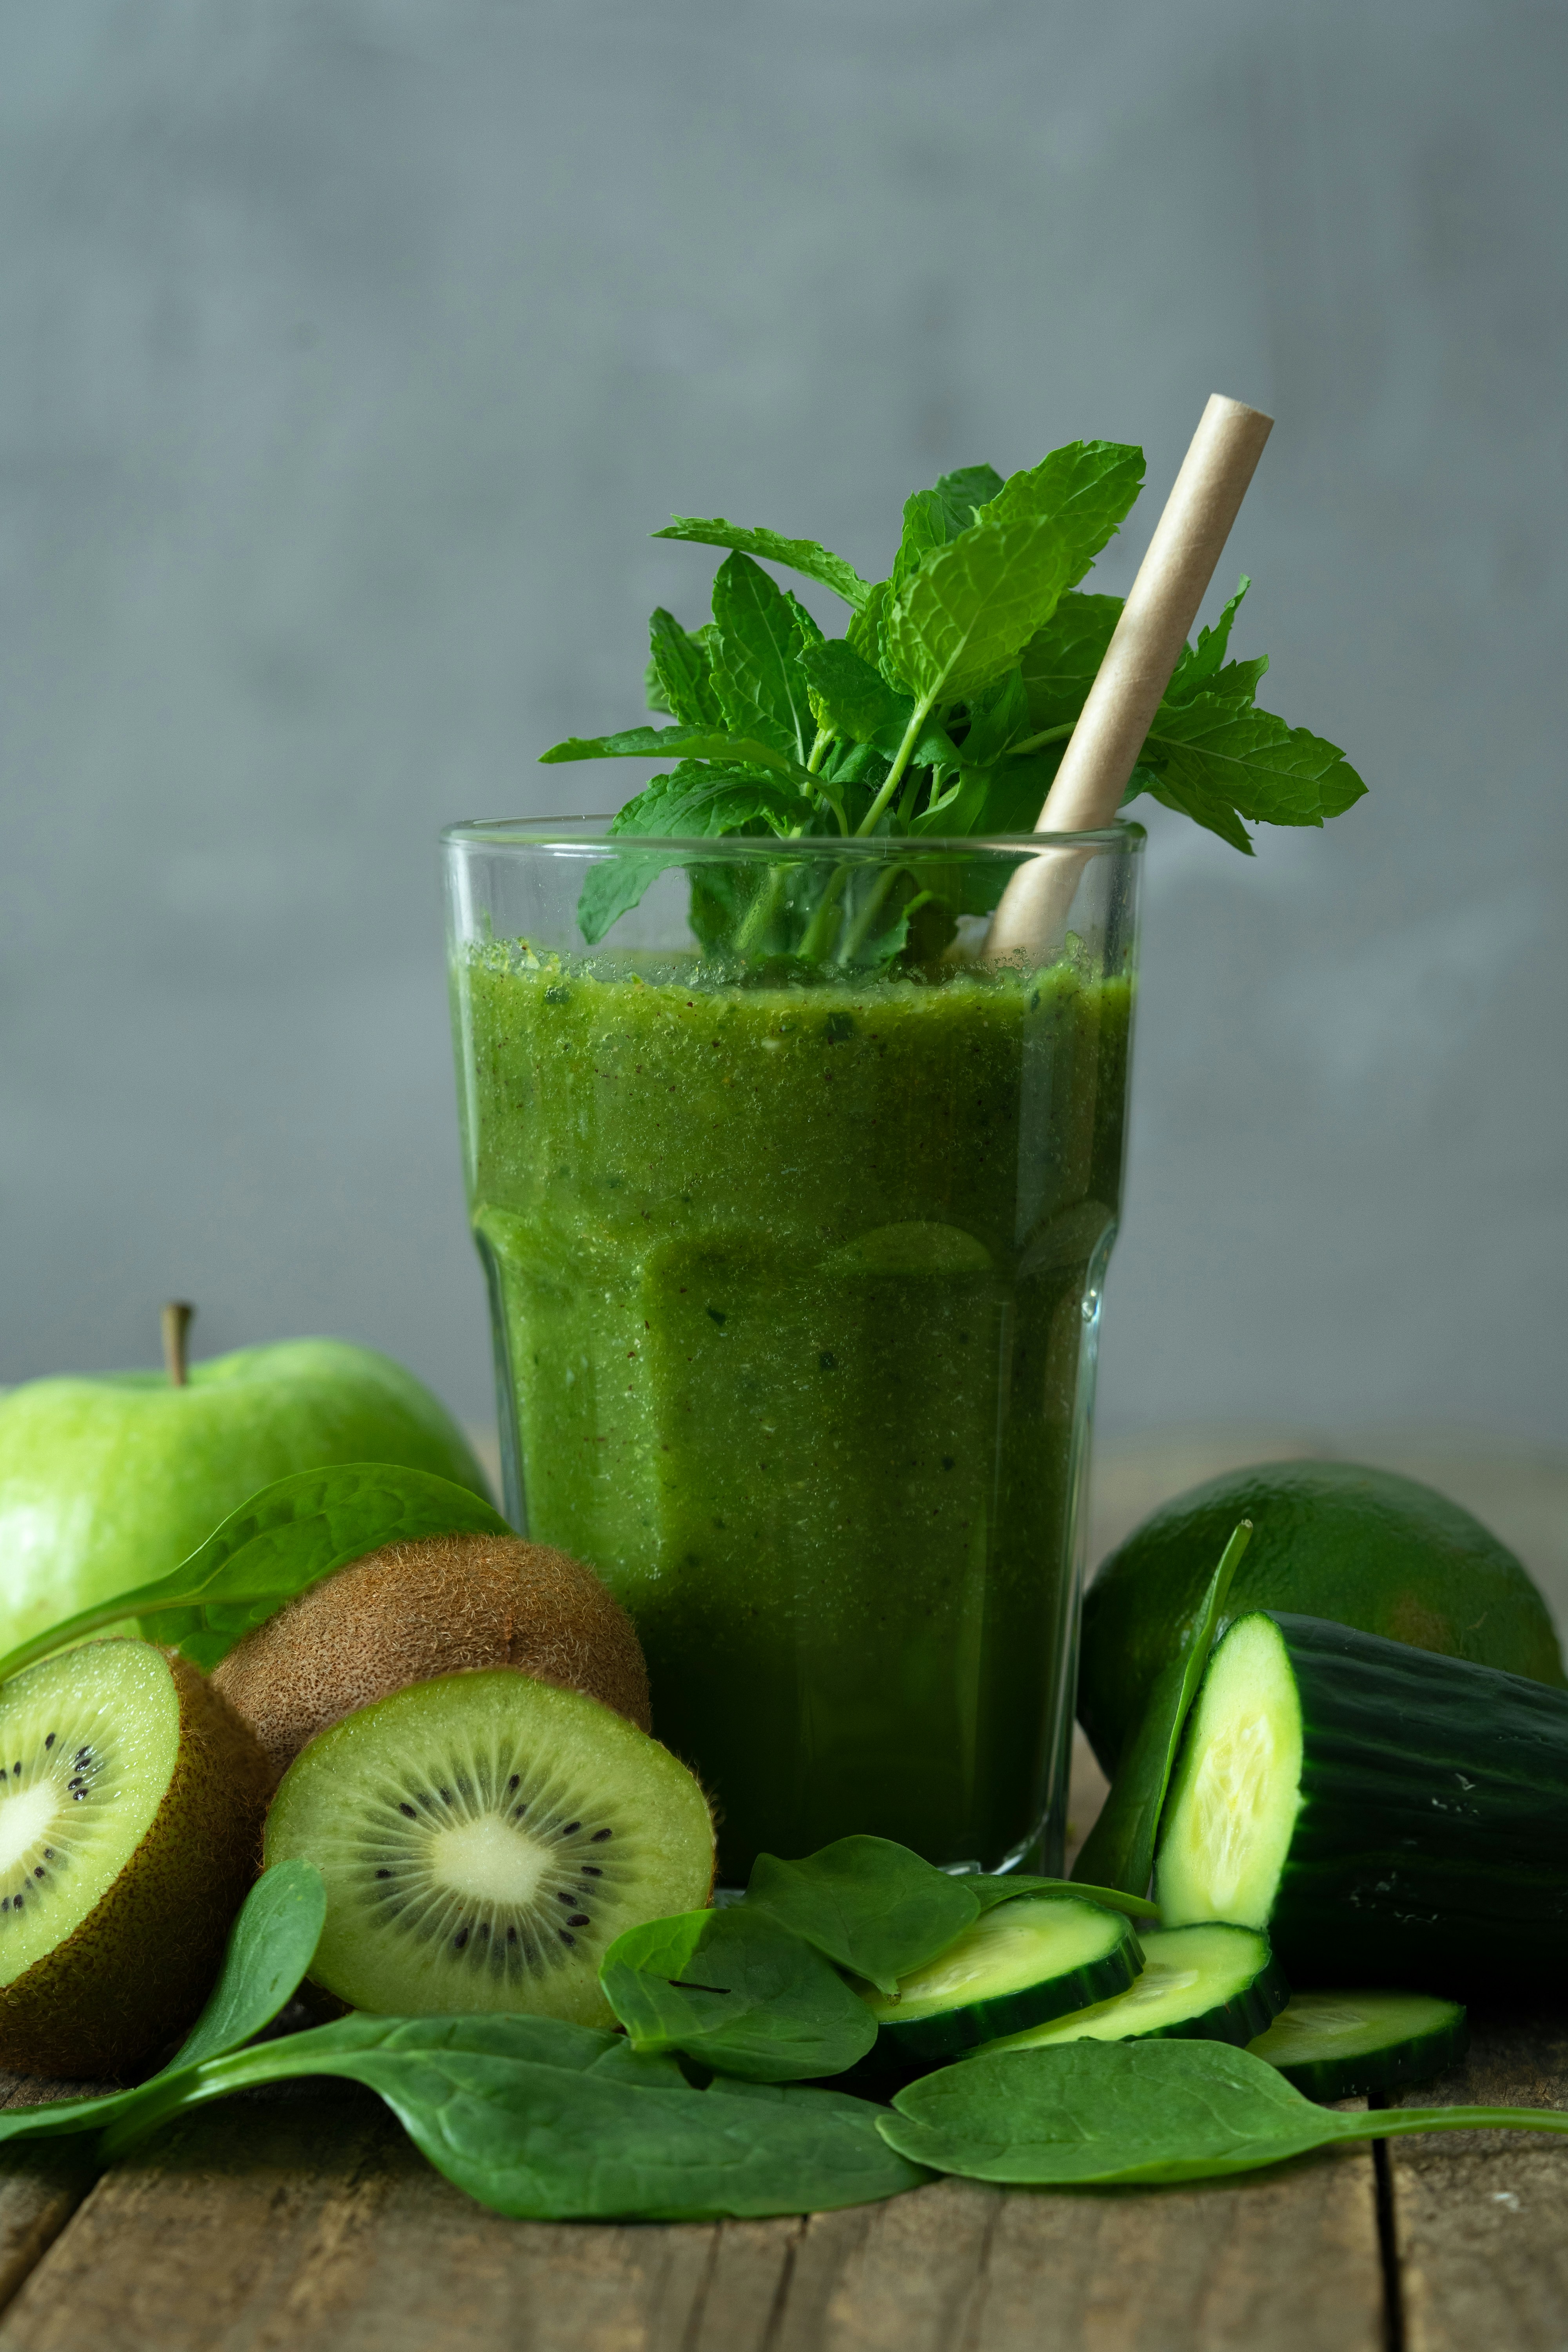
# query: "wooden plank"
[[1477, 2217], [40, 2186], [308, 2221]]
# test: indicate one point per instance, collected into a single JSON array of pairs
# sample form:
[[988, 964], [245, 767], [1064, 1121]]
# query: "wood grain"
[[1479, 2217], [40, 2186], [307, 2221]]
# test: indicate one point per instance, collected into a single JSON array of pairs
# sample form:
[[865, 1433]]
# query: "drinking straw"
[[1143, 651]]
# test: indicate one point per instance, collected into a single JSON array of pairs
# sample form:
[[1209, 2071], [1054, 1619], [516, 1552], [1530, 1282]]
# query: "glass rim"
[[1125, 837]]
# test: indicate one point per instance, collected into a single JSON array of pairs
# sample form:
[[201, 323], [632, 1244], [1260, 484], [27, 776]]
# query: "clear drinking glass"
[[794, 1269]]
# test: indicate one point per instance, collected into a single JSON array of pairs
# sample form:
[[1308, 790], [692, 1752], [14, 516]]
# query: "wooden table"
[[301, 2219]]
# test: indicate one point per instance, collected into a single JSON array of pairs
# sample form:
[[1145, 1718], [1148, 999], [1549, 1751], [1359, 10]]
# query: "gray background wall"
[[349, 351]]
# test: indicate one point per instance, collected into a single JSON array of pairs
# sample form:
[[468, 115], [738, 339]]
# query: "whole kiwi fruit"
[[131, 1800], [412, 1611]]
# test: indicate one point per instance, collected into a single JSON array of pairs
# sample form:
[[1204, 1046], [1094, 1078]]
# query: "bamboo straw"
[[1156, 622]]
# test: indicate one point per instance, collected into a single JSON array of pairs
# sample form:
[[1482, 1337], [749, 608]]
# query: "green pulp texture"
[[798, 1288]]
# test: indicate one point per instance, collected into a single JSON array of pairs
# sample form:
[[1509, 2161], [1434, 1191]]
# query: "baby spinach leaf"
[[679, 664], [683, 743], [992, 1891], [1101, 2112], [802, 555], [867, 1903], [270, 1946], [972, 606], [284, 1540], [738, 1991], [1120, 1849], [760, 688], [550, 2122]]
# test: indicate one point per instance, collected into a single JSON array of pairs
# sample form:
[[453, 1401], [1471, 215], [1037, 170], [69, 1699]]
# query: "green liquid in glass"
[[799, 1289]]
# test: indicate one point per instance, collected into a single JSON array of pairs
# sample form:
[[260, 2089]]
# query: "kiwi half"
[[412, 1611], [130, 1809], [484, 1838]]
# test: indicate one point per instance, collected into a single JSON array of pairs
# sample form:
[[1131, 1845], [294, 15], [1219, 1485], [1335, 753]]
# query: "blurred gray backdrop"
[[352, 347]]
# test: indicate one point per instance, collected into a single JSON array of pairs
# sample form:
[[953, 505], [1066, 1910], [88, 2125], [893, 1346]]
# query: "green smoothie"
[[796, 1284]]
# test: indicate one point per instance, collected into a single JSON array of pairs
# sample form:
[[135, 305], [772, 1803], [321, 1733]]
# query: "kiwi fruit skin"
[[411, 1612], [133, 1974], [576, 1756]]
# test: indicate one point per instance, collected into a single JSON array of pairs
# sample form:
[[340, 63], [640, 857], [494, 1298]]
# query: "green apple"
[[111, 1479]]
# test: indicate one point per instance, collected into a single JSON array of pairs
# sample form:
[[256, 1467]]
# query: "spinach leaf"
[[966, 615], [870, 1905], [552, 2121], [1120, 1849], [283, 1540], [802, 555], [678, 667], [270, 1946], [992, 1891], [738, 1991], [683, 743], [1100, 2112], [760, 688]]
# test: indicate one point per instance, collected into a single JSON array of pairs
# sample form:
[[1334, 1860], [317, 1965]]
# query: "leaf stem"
[[1033, 743], [902, 757], [1391, 2123]]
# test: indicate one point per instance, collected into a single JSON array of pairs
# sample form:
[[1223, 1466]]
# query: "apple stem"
[[176, 1321]]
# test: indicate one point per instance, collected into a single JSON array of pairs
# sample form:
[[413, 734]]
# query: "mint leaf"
[[996, 718], [694, 802], [760, 687], [934, 517], [1200, 667], [1220, 760], [802, 555], [679, 666], [683, 743], [1061, 660], [858, 702], [970, 610], [866, 632]]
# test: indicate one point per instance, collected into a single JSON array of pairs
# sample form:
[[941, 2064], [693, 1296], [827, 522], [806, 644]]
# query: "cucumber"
[[1390, 1816], [1213, 1983], [1035, 1958], [1343, 2045]]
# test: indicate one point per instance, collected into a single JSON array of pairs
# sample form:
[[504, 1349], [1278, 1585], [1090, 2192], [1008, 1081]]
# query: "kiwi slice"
[[412, 1611], [131, 1809], [484, 1838]]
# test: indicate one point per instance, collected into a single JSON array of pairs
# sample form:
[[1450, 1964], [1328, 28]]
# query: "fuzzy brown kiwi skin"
[[135, 1974], [412, 1611]]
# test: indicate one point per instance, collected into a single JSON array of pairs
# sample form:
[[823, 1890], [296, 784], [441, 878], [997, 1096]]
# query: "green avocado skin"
[[109, 1480], [1330, 1539]]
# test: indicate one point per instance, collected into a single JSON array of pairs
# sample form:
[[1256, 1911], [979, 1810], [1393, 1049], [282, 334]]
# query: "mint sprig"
[[941, 713]]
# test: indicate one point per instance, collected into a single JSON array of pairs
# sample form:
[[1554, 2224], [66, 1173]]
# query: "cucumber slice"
[[1213, 1983], [1341, 2045], [1035, 1958]]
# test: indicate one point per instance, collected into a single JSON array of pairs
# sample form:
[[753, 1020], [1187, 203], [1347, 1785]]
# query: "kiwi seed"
[[411, 1612]]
